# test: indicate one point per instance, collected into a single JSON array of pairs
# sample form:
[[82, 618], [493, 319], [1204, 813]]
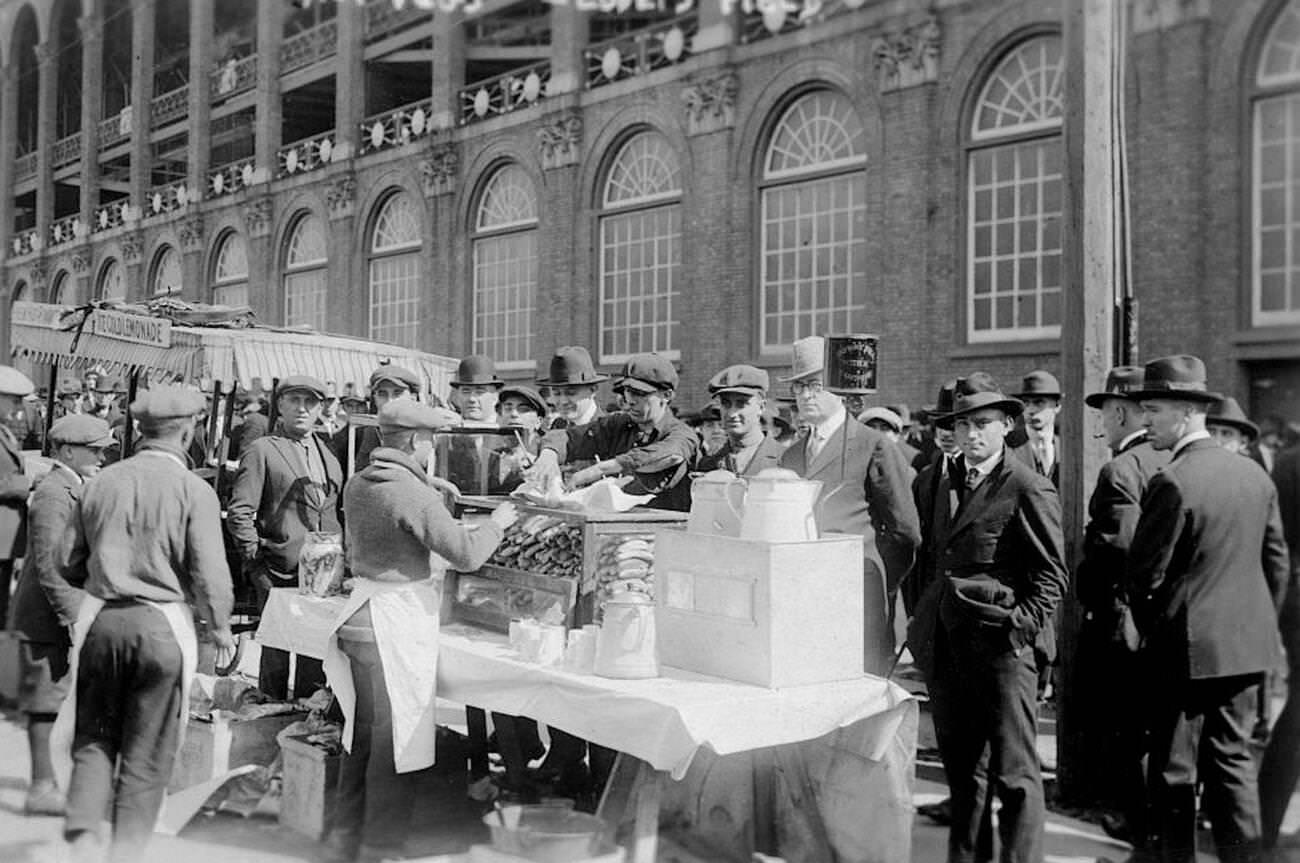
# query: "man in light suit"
[[1206, 573], [865, 486], [287, 485]]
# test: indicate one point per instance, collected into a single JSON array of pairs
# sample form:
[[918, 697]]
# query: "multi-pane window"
[[1275, 198], [60, 291], [305, 260], [111, 286], [230, 272], [641, 250], [395, 272], [1014, 187], [813, 261], [166, 277], [505, 268]]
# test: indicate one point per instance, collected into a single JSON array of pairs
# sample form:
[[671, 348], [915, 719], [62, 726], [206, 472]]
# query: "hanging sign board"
[[139, 329]]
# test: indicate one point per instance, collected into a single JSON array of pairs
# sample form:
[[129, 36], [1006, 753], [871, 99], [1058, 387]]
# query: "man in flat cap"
[[386, 640], [45, 606], [287, 486], [145, 544], [1036, 442], [522, 411], [15, 484], [572, 379], [387, 383], [475, 390], [741, 392], [1205, 575]]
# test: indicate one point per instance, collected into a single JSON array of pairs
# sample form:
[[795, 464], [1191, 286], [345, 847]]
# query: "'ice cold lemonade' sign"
[[802, 9]]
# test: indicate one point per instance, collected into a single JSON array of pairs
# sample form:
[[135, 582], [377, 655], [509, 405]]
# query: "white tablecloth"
[[663, 721]]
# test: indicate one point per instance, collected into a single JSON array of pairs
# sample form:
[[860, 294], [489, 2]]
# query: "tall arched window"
[[813, 268], [61, 289], [166, 274], [640, 249], [305, 259], [21, 293], [1275, 186], [1014, 184], [111, 286], [505, 268], [395, 272], [230, 271]]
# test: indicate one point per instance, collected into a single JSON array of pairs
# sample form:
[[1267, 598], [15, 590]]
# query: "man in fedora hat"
[[1035, 440], [741, 391], [998, 557], [572, 380], [475, 390], [1108, 664], [1228, 424], [865, 486], [1205, 575], [287, 486]]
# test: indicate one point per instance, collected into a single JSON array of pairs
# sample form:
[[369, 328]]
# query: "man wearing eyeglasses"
[[866, 486]]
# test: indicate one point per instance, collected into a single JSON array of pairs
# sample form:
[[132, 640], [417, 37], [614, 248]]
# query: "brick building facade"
[[705, 180]]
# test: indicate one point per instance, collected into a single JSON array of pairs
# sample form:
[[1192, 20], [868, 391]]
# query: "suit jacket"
[[768, 455], [865, 488], [1020, 446], [14, 488], [999, 563], [44, 603], [253, 427], [925, 493], [1286, 477], [274, 504], [1208, 565]]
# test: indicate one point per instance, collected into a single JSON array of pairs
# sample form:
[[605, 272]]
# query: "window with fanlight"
[[111, 285], [813, 223], [1275, 174], [395, 272], [230, 271], [641, 249], [1014, 185], [306, 258], [61, 289], [165, 276], [505, 268]]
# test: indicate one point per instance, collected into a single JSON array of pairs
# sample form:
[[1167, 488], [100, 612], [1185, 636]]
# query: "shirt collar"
[[152, 447], [986, 467], [1130, 438], [830, 425], [58, 465], [1188, 439], [587, 415]]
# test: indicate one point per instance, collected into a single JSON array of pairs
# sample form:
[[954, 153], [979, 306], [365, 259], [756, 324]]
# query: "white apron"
[[405, 616]]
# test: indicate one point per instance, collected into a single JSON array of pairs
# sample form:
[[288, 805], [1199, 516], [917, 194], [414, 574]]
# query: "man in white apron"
[[146, 544], [382, 663]]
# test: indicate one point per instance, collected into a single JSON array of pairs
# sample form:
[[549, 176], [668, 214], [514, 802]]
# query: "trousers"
[[127, 725], [1280, 769], [273, 664]]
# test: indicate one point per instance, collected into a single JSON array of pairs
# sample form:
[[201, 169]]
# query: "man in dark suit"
[[287, 486], [1108, 660], [999, 574], [14, 481], [1035, 441], [742, 393], [865, 487], [572, 380], [1205, 575]]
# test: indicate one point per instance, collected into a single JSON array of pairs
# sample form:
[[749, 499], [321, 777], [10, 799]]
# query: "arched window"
[[505, 268], [166, 278], [61, 289], [395, 272], [305, 259], [230, 271], [1275, 176], [640, 249], [111, 286], [20, 293], [1014, 154], [813, 266]]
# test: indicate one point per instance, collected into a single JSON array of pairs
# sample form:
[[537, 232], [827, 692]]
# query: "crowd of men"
[[1185, 579]]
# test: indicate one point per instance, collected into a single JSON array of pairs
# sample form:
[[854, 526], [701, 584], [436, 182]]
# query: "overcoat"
[[14, 487]]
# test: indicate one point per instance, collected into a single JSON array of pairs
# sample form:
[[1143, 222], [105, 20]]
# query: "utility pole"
[[1094, 279]]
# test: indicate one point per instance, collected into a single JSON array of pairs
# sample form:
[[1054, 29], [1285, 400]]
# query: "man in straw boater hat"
[[1205, 575], [998, 557], [1108, 666], [572, 379], [865, 486]]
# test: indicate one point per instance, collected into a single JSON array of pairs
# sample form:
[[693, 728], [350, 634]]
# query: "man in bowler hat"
[[1205, 575], [475, 390], [572, 380]]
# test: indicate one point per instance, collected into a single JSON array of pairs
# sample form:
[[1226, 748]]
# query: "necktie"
[[1043, 449], [972, 478], [814, 445]]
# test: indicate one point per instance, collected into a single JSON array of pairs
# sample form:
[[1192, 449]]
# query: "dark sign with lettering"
[[851, 364]]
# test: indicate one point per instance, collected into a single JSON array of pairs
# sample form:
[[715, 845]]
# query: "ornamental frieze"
[[908, 57], [560, 141], [439, 170], [341, 196], [191, 233], [711, 104], [257, 216], [132, 247]]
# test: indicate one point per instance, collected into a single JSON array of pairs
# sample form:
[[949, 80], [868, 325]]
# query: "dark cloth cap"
[[528, 394], [477, 370], [646, 373], [396, 375], [740, 379], [572, 366], [167, 402], [1121, 382], [301, 382], [15, 383], [81, 430], [400, 414], [1229, 413], [1039, 383], [1180, 377]]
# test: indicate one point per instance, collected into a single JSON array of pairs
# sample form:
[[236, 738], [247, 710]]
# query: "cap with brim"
[[396, 375], [883, 415], [646, 373], [749, 380], [81, 430], [528, 394], [410, 415], [15, 383], [167, 402], [1175, 378], [964, 405], [635, 385], [301, 382], [1121, 383], [1229, 413]]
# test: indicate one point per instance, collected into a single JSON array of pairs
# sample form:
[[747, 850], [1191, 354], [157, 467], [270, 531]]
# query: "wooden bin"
[[769, 613], [213, 748], [310, 777]]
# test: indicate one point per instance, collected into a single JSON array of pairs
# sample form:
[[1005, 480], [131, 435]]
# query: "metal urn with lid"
[[779, 507], [717, 504]]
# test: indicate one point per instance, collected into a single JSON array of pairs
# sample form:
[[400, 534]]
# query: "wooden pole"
[[1093, 280]]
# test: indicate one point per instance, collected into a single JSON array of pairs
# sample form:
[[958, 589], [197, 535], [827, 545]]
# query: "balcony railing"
[[508, 92], [67, 150], [639, 52], [383, 17], [229, 179], [774, 19], [233, 78], [309, 46], [66, 230], [116, 128], [396, 127], [307, 154], [169, 107], [166, 199], [110, 215], [25, 166], [26, 242]]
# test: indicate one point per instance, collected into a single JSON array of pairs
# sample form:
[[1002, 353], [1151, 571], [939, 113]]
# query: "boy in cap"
[[14, 482], [741, 392], [45, 606], [387, 383], [287, 486]]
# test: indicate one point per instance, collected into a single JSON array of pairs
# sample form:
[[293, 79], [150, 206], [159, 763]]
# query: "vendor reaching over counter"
[[645, 440], [382, 662]]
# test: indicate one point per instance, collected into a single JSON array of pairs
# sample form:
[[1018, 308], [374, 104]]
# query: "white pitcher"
[[717, 504], [779, 507], [625, 647]]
